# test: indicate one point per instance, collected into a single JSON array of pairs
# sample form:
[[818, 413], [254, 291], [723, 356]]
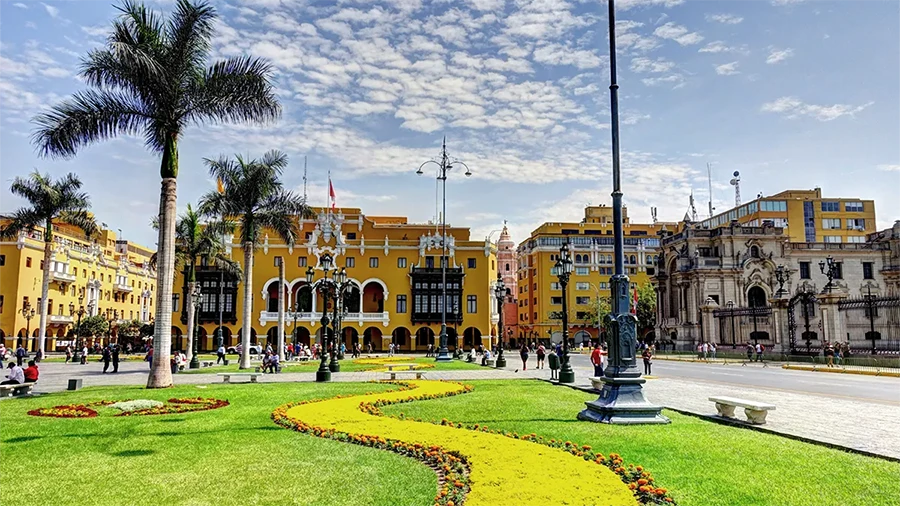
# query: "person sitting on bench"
[[16, 375], [31, 372], [485, 357]]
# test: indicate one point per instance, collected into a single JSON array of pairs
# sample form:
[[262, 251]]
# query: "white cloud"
[[728, 19], [675, 79], [486, 5], [786, 2], [678, 33], [653, 66], [728, 69], [779, 55], [20, 5], [627, 39], [51, 10], [890, 167], [793, 108], [96, 31], [624, 5], [558, 54]]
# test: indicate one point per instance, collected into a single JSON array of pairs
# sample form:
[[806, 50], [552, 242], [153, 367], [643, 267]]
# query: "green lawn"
[[230, 456], [347, 365], [702, 463]]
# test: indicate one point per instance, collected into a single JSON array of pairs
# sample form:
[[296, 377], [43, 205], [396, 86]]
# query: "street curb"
[[841, 370]]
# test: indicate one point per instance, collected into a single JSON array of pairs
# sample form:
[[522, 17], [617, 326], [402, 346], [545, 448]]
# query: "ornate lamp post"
[[500, 293], [871, 302], [781, 276], [332, 288], [80, 313], [829, 268], [730, 306], [444, 165], [28, 313], [622, 399], [296, 330], [564, 267], [196, 297]]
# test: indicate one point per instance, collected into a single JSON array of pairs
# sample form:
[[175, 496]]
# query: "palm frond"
[[22, 219], [239, 90], [81, 219], [188, 32]]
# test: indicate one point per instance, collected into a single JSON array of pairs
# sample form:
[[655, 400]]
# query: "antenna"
[[304, 179], [709, 177], [736, 182], [693, 208], [653, 214]]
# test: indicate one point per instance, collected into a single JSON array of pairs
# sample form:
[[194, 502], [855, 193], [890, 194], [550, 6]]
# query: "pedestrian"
[[220, 354], [759, 352], [838, 354], [699, 351], [20, 355], [173, 363], [84, 351], [712, 350], [541, 352], [647, 355], [2, 355], [68, 353], [391, 349], [705, 348], [749, 352], [115, 358], [107, 356], [149, 357], [595, 360], [15, 377], [603, 358], [274, 363], [524, 354], [829, 354], [31, 372]]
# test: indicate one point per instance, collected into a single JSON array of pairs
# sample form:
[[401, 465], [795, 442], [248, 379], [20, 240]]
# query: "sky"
[[793, 94]]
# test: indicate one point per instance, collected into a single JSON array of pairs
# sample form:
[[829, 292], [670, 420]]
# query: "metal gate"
[[807, 300], [872, 318]]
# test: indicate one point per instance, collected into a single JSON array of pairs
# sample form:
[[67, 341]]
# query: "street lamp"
[[28, 312], [500, 293], [829, 268], [730, 306], [781, 275], [870, 301], [296, 310], [78, 329], [332, 288], [444, 165], [196, 297], [622, 377], [564, 269]]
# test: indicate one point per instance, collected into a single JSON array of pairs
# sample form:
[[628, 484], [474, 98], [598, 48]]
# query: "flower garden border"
[[173, 406]]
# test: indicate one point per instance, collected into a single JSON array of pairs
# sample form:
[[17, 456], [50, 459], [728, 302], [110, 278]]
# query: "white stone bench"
[[756, 411], [16, 390], [491, 362], [408, 367], [226, 376], [393, 374]]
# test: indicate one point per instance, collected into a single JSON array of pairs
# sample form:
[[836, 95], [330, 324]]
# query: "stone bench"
[[226, 376], [491, 362], [393, 374], [409, 367], [16, 390], [756, 411]]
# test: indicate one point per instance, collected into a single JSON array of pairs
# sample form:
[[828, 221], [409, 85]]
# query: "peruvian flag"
[[331, 194], [635, 301]]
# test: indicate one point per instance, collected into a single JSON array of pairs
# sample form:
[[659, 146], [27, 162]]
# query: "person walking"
[[524, 354], [84, 351], [712, 350], [749, 352], [829, 354], [20, 355], [107, 356], [647, 355], [541, 353], [759, 352], [596, 361], [149, 357], [115, 358], [68, 353], [2, 356], [220, 354]]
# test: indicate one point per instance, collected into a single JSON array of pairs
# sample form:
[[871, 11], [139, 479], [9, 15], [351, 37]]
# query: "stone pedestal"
[[709, 328], [832, 327], [622, 402]]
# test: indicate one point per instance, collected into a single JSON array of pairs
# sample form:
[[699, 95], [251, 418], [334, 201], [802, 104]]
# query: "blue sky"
[[793, 94]]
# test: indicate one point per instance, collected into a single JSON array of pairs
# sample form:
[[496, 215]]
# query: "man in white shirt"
[[16, 375]]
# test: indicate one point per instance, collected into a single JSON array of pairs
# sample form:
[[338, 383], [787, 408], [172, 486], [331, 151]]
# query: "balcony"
[[316, 317], [62, 277], [119, 287], [60, 319]]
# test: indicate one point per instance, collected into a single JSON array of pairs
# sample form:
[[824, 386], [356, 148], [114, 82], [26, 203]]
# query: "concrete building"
[[395, 270]]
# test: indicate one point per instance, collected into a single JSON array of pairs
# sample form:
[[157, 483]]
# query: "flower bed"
[[495, 468], [136, 405], [384, 361], [134, 408]]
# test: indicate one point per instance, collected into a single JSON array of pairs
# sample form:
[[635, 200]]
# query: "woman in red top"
[[31, 372]]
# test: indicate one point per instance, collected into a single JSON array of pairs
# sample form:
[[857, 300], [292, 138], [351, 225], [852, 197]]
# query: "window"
[[838, 270], [401, 262], [373, 262], [830, 207], [301, 262], [471, 263], [853, 207], [581, 301], [27, 261], [582, 286], [833, 223], [351, 236], [429, 262], [856, 223], [2, 260], [832, 238], [868, 270], [401, 303], [754, 251], [556, 300], [767, 205], [582, 271], [804, 270], [175, 307], [555, 286], [535, 301], [471, 304], [856, 238], [507, 267], [351, 262]]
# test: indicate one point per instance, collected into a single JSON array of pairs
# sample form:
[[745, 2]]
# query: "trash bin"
[[553, 361]]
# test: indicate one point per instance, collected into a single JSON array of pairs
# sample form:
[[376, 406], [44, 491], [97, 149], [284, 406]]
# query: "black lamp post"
[[77, 358], [296, 330], [444, 165], [500, 293], [337, 317], [28, 312], [331, 289], [564, 268], [196, 297], [829, 268], [730, 306], [781, 275], [870, 312]]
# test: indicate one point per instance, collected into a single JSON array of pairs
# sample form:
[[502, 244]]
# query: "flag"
[[635, 300], [220, 186], [331, 194]]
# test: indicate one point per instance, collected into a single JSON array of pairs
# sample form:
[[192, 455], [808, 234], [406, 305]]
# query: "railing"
[[853, 362], [60, 318], [122, 288], [270, 316], [62, 276]]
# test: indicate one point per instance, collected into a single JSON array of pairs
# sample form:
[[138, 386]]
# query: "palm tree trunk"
[[281, 294], [160, 369], [189, 304], [45, 288], [248, 305]]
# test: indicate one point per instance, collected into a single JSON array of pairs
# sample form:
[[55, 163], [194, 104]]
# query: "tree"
[[51, 202], [128, 332], [92, 326], [599, 308], [252, 192], [152, 80], [646, 307]]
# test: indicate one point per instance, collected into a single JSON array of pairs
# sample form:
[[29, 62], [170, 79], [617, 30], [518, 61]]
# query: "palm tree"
[[195, 241], [253, 194], [60, 201], [152, 79]]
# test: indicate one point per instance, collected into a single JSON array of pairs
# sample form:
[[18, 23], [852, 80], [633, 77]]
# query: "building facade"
[[394, 296], [104, 275], [508, 268], [539, 293]]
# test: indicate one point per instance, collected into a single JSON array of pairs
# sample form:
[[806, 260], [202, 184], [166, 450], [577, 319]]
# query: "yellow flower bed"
[[390, 360], [502, 470]]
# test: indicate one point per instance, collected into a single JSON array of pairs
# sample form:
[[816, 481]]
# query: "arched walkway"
[[301, 298], [582, 336], [272, 337], [452, 338], [373, 297], [272, 295], [227, 338], [203, 344], [349, 336], [372, 335], [178, 341], [301, 335], [424, 337], [401, 337], [328, 334], [240, 336], [471, 338]]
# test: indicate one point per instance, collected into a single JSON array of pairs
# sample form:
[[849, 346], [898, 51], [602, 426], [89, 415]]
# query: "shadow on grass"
[[133, 453], [22, 439]]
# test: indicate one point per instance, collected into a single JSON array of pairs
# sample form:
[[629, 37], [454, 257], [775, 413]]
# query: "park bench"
[[16, 390], [206, 363], [756, 411], [226, 376], [393, 374], [408, 367], [490, 362]]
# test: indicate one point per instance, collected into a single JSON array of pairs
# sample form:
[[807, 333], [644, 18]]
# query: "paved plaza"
[[858, 412]]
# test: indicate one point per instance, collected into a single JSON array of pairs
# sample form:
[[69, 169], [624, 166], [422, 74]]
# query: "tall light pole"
[[829, 269], [622, 399], [28, 313], [444, 165], [564, 269], [500, 293], [730, 306], [332, 288], [78, 330], [196, 298]]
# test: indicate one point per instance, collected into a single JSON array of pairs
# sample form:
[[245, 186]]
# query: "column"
[[832, 328], [710, 329]]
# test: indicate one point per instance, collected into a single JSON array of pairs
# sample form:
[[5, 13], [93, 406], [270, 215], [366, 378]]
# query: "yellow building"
[[805, 216], [105, 276], [591, 245], [395, 270]]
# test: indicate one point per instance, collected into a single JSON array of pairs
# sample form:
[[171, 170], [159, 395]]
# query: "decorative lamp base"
[[443, 355], [622, 402], [195, 364], [334, 366], [567, 376], [501, 362], [323, 376]]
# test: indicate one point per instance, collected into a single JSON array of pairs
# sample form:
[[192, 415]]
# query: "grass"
[[347, 365], [230, 456], [702, 463]]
